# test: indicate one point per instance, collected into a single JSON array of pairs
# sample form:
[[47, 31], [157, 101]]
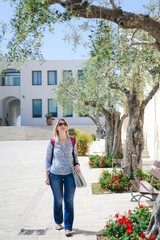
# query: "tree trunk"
[[154, 225], [113, 125], [134, 136]]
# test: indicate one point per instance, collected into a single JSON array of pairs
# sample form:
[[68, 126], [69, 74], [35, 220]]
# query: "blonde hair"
[[55, 131]]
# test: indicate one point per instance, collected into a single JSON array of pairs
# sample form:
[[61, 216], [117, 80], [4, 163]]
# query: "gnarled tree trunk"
[[113, 125], [134, 136]]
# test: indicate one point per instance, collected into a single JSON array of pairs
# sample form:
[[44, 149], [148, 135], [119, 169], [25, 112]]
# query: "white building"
[[26, 96]]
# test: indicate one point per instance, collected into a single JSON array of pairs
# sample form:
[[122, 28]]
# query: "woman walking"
[[60, 155]]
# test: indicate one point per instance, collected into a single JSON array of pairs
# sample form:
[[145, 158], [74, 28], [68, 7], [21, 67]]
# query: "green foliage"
[[90, 92], [100, 161], [72, 132], [115, 181], [82, 143], [141, 175], [130, 226], [48, 115], [31, 19]]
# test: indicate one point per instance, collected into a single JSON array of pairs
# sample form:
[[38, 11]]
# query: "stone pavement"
[[26, 202]]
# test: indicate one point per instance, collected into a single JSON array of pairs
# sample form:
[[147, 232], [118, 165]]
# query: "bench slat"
[[157, 164], [155, 173], [144, 187]]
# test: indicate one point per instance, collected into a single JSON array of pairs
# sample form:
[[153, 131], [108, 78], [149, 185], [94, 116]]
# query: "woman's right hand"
[[47, 181]]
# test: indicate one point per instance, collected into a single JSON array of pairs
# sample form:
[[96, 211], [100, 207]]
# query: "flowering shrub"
[[130, 226], [116, 181], [82, 139], [141, 175], [100, 161]]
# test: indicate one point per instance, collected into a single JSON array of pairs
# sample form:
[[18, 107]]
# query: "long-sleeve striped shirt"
[[61, 157]]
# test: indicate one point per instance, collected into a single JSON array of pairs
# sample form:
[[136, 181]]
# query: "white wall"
[[152, 126], [45, 91]]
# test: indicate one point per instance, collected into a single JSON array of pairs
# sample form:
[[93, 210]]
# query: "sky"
[[54, 46]]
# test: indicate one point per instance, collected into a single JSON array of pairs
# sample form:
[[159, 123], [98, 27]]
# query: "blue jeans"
[[63, 187]]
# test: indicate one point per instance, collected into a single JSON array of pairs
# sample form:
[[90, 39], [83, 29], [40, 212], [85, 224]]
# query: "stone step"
[[15, 133]]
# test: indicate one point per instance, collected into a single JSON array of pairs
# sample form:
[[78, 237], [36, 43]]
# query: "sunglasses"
[[62, 124]]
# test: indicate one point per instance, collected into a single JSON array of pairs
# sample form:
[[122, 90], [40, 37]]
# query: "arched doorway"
[[11, 111]]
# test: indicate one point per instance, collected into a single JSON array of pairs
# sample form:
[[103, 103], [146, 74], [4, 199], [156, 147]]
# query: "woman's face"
[[62, 126]]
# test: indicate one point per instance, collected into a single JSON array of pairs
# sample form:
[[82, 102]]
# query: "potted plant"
[[72, 132], [49, 119]]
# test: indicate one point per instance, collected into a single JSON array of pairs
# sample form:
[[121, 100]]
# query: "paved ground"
[[26, 202]]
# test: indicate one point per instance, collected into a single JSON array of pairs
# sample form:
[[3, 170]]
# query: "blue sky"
[[54, 46]]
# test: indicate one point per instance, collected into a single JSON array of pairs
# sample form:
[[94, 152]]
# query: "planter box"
[[101, 237]]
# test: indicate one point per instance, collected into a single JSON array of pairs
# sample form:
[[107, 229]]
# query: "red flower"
[[142, 235], [140, 178], [124, 218], [115, 176], [121, 175], [117, 215], [129, 230], [129, 224], [121, 221], [129, 211], [152, 238], [116, 183], [141, 206], [104, 187]]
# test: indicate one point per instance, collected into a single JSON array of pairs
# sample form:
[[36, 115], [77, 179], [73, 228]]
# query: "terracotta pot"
[[49, 121]]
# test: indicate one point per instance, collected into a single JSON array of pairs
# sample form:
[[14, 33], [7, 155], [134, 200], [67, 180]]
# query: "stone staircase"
[[20, 133], [145, 153]]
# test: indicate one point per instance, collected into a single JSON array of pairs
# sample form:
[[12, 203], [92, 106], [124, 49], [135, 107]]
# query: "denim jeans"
[[63, 188]]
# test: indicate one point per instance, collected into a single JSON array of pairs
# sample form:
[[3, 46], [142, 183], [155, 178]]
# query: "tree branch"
[[150, 95], [123, 19], [122, 89], [123, 117], [113, 5], [154, 43]]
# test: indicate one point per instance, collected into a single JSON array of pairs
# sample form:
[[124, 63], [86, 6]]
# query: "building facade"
[[27, 96]]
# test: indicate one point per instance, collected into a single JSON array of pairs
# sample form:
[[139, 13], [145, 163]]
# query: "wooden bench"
[[144, 188]]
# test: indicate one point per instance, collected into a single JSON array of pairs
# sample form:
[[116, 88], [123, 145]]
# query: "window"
[[80, 74], [82, 115], [52, 77], [36, 78], [67, 74], [10, 77], [68, 112], [52, 107], [37, 108]]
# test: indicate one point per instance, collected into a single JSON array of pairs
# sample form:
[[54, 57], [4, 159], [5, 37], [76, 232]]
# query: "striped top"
[[61, 156]]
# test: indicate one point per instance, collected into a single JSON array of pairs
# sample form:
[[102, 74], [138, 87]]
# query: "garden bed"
[[101, 237], [96, 189]]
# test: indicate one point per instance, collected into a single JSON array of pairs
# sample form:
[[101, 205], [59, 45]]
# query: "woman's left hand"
[[77, 168]]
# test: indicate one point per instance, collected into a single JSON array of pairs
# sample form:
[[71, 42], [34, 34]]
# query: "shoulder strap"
[[53, 143], [73, 140]]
